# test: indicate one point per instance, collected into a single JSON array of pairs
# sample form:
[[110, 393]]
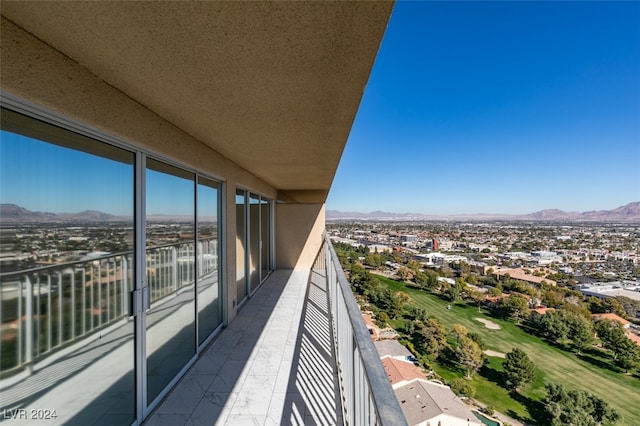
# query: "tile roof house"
[[400, 372], [392, 348], [612, 317], [427, 403]]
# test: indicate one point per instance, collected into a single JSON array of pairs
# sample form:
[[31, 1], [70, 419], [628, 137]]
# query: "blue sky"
[[62, 180], [498, 107], [97, 183]]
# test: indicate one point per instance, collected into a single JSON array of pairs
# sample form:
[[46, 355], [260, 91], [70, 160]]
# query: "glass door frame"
[[248, 231]]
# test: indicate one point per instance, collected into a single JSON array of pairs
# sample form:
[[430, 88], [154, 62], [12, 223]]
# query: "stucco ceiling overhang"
[[273, 86]]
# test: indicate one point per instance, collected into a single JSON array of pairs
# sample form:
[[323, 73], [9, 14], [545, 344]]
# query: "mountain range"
[[629, 213], [11, 213]]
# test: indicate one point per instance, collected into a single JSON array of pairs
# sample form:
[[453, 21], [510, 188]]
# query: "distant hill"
[[628, 213], [11, 213]]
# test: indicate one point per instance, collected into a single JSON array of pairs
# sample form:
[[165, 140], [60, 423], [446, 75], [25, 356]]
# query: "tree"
[[373, 259], [580, 332], [515, 307], [420, 314], [630, 306], [403, 297], [452, 293], [628, 355], [409, 327], [383, 319], [420, 279], [463, 387], [404, 273], [518, 368], [478, 339], [612, 305], [552, 325], [612, 335], [413, 266], [495, 291], [432, 279], [576, 407], [459, 331], [435, 337], [469, 355], [471, 279], [551, 298], [461, 286]]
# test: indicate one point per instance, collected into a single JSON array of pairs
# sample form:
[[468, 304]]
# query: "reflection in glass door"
[[170, 258], [67, 335], [265, 238], [72, 343], [209, 297], [241, 234], [254, 241]]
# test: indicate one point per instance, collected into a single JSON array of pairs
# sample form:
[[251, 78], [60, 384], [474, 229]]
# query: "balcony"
[[297, 353], [106, 340]]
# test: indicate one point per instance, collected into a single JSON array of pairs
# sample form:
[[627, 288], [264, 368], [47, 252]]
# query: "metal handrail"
[[367, 394]]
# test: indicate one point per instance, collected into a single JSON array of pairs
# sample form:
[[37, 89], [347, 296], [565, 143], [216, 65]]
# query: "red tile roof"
[[611, 317], [399, 371]]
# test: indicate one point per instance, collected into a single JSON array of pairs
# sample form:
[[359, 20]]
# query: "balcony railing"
[[368, 398], [49, 308]]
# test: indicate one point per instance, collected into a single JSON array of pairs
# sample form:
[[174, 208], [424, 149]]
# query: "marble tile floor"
[[273, 365]]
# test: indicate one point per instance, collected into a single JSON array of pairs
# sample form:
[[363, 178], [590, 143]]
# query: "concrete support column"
[[299, 232]]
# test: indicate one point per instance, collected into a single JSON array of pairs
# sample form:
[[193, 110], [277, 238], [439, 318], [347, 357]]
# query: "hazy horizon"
[[341, 211], [475, 213]]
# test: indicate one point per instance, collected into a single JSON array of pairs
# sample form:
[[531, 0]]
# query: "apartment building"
[[216, 129]]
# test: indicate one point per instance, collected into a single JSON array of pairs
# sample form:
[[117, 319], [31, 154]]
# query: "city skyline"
[[502, 107]]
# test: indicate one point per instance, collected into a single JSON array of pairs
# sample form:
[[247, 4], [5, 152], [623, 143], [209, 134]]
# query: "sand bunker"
[[489, 352], [489, 324]]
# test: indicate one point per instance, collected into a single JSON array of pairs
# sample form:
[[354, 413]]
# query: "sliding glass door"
[[170, 258], [67, 334], [241, 244], [209, 297], [265, 238], [110, 272], [254, 241]]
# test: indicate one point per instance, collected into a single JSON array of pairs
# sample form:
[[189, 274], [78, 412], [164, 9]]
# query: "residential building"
[[612, 317], [392, 349], [630, 289], [216, 129], [429, 403], [401, 371]]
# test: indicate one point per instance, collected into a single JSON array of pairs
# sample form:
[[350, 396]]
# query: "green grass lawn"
[[588, 372]]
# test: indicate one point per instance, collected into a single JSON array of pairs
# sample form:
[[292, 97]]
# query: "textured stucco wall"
[[34, 71]]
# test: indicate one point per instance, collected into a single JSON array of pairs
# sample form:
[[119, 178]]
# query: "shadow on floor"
[[313, 395]]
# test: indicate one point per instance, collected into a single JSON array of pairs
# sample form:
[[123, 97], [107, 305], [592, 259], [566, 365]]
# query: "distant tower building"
[[435, 244]]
